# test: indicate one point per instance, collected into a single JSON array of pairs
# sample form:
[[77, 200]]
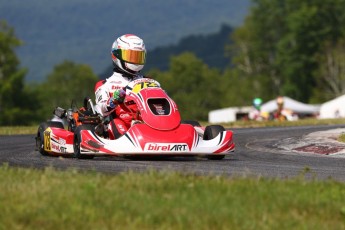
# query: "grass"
[[18, 130], [302, 122], [341, 137], [53, 199], [50, 199]]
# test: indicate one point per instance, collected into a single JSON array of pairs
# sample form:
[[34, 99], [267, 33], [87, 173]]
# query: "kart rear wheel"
[[77, 140], [191, 122], [40, 134], [211, 132]]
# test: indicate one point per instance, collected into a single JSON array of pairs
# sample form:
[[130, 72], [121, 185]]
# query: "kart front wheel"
[[77, 140], [40, 143], [211, 132]]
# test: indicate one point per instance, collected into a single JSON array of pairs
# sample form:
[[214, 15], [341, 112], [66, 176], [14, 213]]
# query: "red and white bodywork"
[[142, 139], [156, 130]]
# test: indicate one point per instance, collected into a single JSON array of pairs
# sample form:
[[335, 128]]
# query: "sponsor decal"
[[121, 127], [113, 87], [58, 148], [62, 141], [125, 116], [47, 142], [166, 147], [131, 102], [53, 145], [143, 85]]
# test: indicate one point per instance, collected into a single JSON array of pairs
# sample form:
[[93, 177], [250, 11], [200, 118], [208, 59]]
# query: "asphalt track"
[[287, 152]]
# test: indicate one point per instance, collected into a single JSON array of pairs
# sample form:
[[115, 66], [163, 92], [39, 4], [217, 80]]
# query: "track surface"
[[257, 154]]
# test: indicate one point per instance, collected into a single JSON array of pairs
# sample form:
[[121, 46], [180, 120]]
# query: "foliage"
[[280, 40], [331, 72], [237, 89], [197, 88], [67, 82], [17, 103], [293, 48], [192, 85], [26, 104]]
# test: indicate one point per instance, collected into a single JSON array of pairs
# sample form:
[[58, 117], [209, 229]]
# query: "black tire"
[[211, 132], [40, 134], [77, 140], [191, 122]]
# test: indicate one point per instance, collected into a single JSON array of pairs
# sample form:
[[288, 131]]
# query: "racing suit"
[[119, 116]]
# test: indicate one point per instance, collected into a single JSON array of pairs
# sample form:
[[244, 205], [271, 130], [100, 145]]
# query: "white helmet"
[[128, 53]]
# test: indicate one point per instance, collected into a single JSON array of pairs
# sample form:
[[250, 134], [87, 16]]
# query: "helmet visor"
[[132, 56]]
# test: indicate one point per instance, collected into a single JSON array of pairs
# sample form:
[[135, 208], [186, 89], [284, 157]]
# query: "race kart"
[[156, 129]]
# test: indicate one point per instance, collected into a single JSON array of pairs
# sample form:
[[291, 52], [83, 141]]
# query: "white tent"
[[334, 108], [291, 104], [233, 113], [227, 114]]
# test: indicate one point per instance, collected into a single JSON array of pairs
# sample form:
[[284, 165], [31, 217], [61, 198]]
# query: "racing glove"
[[117, 98]]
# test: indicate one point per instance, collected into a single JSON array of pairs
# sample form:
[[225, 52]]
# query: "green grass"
[[17, 130], [302, 122], [51, 199], [341, 137]]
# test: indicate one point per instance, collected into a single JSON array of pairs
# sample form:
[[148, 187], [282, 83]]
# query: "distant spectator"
[[283, 114], [255, 113]]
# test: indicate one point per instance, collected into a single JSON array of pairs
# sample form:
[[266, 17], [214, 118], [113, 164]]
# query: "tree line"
[[291, 48]]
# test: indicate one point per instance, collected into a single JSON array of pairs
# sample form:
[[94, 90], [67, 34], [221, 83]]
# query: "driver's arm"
[[103, 102]]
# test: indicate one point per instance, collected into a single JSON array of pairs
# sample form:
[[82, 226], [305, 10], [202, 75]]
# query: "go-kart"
[[156, 130]]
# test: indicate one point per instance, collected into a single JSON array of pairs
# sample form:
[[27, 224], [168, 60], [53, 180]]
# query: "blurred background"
[[209, 56], [84, 30]]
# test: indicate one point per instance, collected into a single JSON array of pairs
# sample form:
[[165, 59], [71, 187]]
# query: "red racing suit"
[[120, 116]]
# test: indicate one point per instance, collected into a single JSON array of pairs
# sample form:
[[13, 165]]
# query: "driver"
[[128, 54]]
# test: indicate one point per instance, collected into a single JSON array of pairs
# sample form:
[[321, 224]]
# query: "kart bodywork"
[[156, 129]]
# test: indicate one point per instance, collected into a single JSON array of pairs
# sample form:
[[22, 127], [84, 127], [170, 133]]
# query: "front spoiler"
[[143, 140]]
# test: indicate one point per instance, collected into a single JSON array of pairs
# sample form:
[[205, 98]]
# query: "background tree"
[[280, 40], [192, 85], [331, 78], [17, 103], [66, 83], [237, 89]]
